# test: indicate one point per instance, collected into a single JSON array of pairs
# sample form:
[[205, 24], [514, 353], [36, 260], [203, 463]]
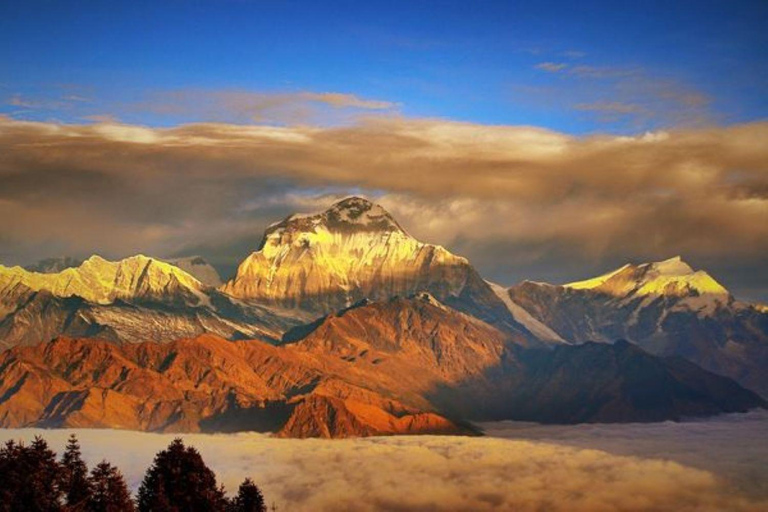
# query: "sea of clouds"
[[717, 464], [732, 446]]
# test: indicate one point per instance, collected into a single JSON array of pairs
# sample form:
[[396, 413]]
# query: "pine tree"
[[109, 493], [248, 499], [74, 476], [179, 480], [30, 478]]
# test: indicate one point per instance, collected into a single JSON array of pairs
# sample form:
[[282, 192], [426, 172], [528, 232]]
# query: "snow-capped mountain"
[[307, 266], [355, 250], [666, 307], [695, 290], [134, 299], [103, 282]]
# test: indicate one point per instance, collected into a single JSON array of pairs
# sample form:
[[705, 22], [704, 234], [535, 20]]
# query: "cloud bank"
[[731, 446], [423, 473], [515, 199]]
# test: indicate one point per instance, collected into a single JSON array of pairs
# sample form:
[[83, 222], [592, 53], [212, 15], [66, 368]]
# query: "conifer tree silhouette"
[[179, 480], [30, 477], [248, 499], [74, 477], [109, 493]]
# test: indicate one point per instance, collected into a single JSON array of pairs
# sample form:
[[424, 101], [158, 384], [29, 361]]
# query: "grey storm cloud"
[[584, 201], [429, 473]]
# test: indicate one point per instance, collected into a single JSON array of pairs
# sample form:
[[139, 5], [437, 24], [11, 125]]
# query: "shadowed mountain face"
[[392, 367], [624, 384], [666, 308]]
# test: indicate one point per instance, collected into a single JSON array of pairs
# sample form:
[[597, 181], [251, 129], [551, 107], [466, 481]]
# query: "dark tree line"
[[32, 480]]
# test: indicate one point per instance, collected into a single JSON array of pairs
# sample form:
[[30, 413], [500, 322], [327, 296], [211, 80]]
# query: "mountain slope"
[[405, 365], [205, 383], [667, 308], [625, 384], [533, 325], [353, 251]]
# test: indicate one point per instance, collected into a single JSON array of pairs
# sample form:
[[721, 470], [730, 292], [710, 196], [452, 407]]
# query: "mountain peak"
[[354, 203], [350, 215], [672, 266], [671, 277], [355, 249]]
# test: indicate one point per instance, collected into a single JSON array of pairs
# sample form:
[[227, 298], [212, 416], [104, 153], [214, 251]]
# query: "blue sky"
[[577, 67]]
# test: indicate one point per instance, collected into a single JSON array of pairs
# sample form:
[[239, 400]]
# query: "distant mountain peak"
[[670, 277], [356, 205], [199, 268], [53, 265], [101, 281]]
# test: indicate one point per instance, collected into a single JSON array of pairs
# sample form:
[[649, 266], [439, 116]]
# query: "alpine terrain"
[[342, 324], [667, 308]]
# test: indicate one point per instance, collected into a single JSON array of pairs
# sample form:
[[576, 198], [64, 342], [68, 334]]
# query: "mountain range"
[[667, 308], [340, 323]]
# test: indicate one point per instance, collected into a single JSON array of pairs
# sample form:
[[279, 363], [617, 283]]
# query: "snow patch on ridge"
[[522, 316], [595, 282], [694, 290]]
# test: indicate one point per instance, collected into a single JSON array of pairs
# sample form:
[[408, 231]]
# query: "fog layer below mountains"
[[731, 446], [710, 465]]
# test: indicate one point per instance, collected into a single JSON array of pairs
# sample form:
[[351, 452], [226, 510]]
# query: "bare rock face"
[[355, 250], [403, 335], [400, 366], [331, 417], [202, 384], [667, 307], [362, 372]]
